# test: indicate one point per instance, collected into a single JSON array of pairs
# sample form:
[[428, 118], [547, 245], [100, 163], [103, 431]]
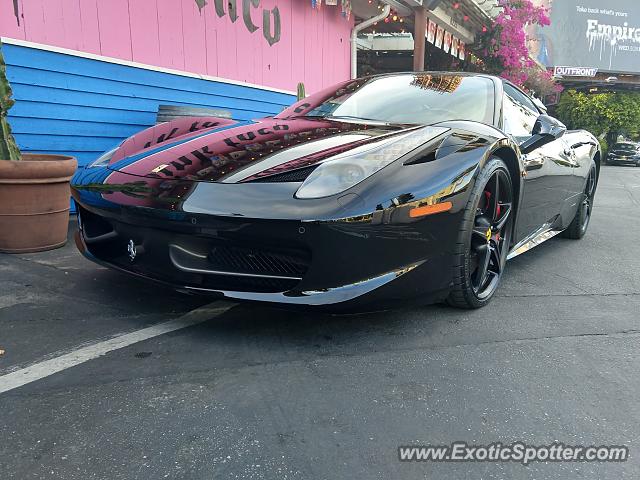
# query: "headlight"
[[104, 158], [343, 171]]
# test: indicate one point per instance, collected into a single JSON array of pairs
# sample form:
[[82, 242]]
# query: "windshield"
[[406, 98], [625, 146]]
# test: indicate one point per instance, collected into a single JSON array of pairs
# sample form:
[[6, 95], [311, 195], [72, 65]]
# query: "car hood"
[[232, 152]]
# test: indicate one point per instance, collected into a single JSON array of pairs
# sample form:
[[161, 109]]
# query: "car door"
[[582, 148], [549, 168]]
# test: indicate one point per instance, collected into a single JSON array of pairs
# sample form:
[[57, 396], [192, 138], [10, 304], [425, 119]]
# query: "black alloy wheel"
[[491, 229], [485, 237], [580, 222]]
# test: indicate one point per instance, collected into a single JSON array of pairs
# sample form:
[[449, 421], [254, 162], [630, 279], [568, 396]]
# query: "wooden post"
[[419, 40]]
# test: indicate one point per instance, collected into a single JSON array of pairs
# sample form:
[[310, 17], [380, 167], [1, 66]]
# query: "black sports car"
[[627, 153], [410, 186]]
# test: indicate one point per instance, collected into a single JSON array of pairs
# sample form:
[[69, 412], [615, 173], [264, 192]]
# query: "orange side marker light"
[[430, 209]]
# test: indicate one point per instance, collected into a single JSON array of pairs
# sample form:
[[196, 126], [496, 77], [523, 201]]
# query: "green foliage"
[[604, 146], [8, 147], [301, 92], [603, 114]]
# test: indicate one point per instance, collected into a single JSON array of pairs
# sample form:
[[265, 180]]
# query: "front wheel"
[[484, 237], [578, 226]]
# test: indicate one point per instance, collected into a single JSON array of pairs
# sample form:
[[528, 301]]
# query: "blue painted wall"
[[82, 107]]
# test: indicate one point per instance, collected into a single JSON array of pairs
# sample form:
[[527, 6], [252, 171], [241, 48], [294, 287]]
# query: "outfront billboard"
[[589, 34]]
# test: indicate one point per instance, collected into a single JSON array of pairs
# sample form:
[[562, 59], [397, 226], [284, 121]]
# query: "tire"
[[578, 226], [484, 238]]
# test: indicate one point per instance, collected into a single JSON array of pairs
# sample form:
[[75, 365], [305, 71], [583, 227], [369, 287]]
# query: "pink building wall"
[[176, 34]]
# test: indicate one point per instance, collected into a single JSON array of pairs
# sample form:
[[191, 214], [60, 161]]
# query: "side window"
[[519, 112]]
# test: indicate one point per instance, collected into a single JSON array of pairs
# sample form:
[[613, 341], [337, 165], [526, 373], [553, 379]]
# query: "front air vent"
[[259, 261], [427, 155], [233, 267], [95, 229], [441, 147], [235, 260], [298, 175]]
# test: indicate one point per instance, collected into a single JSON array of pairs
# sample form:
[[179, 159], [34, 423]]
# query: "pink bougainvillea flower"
[[504, 45]]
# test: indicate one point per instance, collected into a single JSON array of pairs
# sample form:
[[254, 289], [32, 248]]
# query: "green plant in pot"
[[34, 189]]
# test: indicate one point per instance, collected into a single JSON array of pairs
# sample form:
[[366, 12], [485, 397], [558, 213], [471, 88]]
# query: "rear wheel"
[[483, 240], [578, 226]]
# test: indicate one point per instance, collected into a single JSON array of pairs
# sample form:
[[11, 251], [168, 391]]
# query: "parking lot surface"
[[257, 392]]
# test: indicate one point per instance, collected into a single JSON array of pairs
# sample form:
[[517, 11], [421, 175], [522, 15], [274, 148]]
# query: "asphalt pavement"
[[261, 393]]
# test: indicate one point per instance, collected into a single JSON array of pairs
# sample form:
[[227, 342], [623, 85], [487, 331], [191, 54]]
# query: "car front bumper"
[[629, 160], [286, 262]]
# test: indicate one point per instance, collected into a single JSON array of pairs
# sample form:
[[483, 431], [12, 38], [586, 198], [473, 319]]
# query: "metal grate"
[[258, 261]]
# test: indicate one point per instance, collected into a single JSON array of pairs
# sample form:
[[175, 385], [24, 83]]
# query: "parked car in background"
[[627, 153]]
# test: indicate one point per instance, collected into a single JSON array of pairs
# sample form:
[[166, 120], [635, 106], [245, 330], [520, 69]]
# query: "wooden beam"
[[419, 39]]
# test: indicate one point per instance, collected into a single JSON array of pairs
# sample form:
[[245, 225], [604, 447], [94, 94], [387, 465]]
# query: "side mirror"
[[545, 130]]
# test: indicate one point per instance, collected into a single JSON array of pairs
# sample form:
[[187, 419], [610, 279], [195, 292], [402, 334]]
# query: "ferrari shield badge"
[[131, 249]]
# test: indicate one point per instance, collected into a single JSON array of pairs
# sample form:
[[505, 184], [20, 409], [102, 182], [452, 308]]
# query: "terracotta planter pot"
[[34, 202]]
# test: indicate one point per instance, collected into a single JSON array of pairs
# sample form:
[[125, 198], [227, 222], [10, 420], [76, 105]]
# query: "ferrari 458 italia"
[[378, 191]]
